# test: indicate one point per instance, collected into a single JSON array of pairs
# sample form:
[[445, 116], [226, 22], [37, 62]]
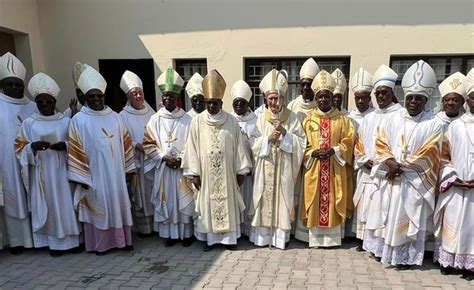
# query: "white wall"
[[226, 31]]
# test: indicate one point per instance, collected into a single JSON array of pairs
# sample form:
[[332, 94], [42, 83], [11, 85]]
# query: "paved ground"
[[153, 266]]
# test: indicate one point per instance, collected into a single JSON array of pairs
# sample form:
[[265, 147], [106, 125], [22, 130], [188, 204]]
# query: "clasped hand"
[[278, 130], [323, 154], [42, 145]]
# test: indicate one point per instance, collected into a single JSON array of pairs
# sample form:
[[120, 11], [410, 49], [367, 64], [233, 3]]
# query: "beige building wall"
[[225, 32]]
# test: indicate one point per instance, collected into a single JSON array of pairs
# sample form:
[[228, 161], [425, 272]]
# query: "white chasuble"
[[100, 155], [247, 123], [276, 171], [15, 206], [215, 151], [409, 199], [455, 207], [45, 177], [139, 186], [172, 195]]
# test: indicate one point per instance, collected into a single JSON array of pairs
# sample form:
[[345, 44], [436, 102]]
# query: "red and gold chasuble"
[[327, 192]]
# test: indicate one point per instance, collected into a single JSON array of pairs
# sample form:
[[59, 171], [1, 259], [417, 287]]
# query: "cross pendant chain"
[[170, 139], [405, 152]]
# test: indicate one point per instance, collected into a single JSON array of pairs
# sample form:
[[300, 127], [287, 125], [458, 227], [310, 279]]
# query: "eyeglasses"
[[45, 102]]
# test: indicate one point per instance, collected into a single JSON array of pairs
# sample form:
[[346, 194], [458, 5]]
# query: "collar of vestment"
[[445, 119], [306, 105], [329, 114], [357, 114], [130, 109], [216, 120], [177, 113], [389, 109], [282, 116], [86, 110], [418, 118], [22, 101], [41, 117], [249, 115], [468, 117]]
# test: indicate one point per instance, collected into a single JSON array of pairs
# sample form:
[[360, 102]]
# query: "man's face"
[[136, 98], [305, 89], [384, 96], [13, 87], [169, 100], [325, 100], [80, 97], [470, 102], [95, 99], [240, 106], [415, 104], [197, 102], [362, 101], [46, 104], [275, 102], [337, 101], [213, 106], [452, 104]]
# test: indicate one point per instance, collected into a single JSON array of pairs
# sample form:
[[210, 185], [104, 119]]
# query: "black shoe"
[[142, 236], [287, 244], [231, 247], [187, 242], [467, 275], [170, 243], [102, 253], [128, 248], [378, 259], [404, 267], [76, 250], [16, 250], [207, 248], [446, 270], [55, 253], [359, 248]]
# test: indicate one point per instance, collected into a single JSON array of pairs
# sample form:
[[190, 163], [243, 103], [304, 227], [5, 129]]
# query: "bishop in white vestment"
[[194, 92], [14, 108], [216, 160], [100, 155], [278, 144], [136, 115], [41, 148], [164, 142]]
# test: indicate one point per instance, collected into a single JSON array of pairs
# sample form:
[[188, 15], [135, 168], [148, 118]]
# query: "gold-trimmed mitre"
[[323, 81], [213, 85]]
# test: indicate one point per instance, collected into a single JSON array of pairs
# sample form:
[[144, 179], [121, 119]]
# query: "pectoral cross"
[[405, 152], [170, 139], [109, 138]]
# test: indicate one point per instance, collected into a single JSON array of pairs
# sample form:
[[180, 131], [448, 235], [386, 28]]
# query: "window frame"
[[178, 64]]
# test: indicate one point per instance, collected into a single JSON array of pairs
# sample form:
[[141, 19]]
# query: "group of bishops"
[[399, 179]]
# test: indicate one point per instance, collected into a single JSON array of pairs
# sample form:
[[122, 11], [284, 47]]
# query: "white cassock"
[[44, 173], [247, 123], [444, 120], [100, 155], [409, 200], [357, 117], [14, 212], [139, 187], [172, 197], [260, 110], [301, 109], [192, 113], [275, 166], [215, 151], [455, 207], [367, 198]]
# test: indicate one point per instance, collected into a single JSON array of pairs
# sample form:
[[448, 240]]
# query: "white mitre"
[[241, 90], [384, 76], [129, 81], [10, 66], [274, 82], [341, 83], [91, 79], [469, 82], [41, 83], [309, 69], [361, 81], [453, 84], [194, 86], [419, 79]]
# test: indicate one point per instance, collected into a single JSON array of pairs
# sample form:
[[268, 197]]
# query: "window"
[[186, 68], [257, 68], [443, 66]]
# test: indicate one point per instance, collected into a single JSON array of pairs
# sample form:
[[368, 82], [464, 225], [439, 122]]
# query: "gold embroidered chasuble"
[[215, 151], [328, 192]]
